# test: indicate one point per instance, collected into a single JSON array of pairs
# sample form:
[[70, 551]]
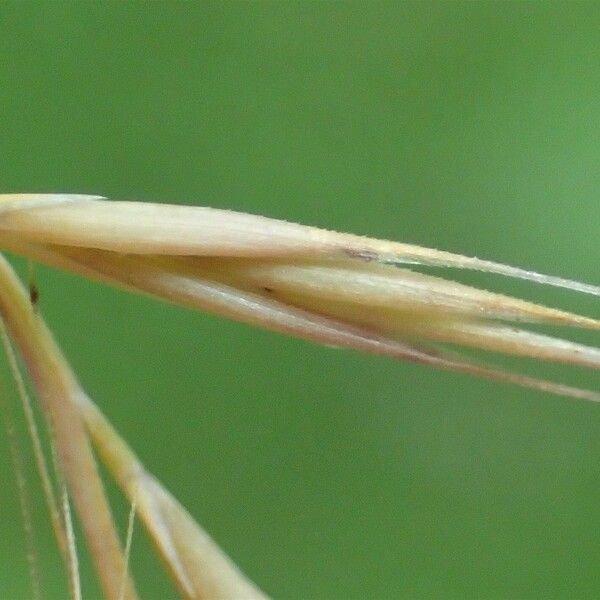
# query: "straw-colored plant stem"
[[197, 565], [199, 568], [23, 491], [54, 386]]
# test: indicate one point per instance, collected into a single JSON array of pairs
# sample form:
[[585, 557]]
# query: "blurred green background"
[[472, 127]]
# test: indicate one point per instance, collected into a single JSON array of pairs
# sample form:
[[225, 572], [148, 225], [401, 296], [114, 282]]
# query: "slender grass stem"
[[128, 542], [40, 458], [198, 566], [23, 492], [54, 383]]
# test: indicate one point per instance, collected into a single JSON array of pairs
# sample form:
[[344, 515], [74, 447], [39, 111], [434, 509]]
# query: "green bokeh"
[[472, 127]]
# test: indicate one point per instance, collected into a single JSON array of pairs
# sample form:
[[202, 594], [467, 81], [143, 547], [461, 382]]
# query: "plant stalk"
[[54, 383]]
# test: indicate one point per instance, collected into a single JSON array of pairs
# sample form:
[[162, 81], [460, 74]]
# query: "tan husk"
[[337, 289], [85, 221]]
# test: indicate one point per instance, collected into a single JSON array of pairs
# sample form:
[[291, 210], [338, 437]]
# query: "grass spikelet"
[[337, 289], [333, 288]]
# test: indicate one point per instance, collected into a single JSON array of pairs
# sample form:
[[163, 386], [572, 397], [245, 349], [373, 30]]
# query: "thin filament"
[[74, 579], [23, 493], [71, 557], [40, 458], [128, 542]]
